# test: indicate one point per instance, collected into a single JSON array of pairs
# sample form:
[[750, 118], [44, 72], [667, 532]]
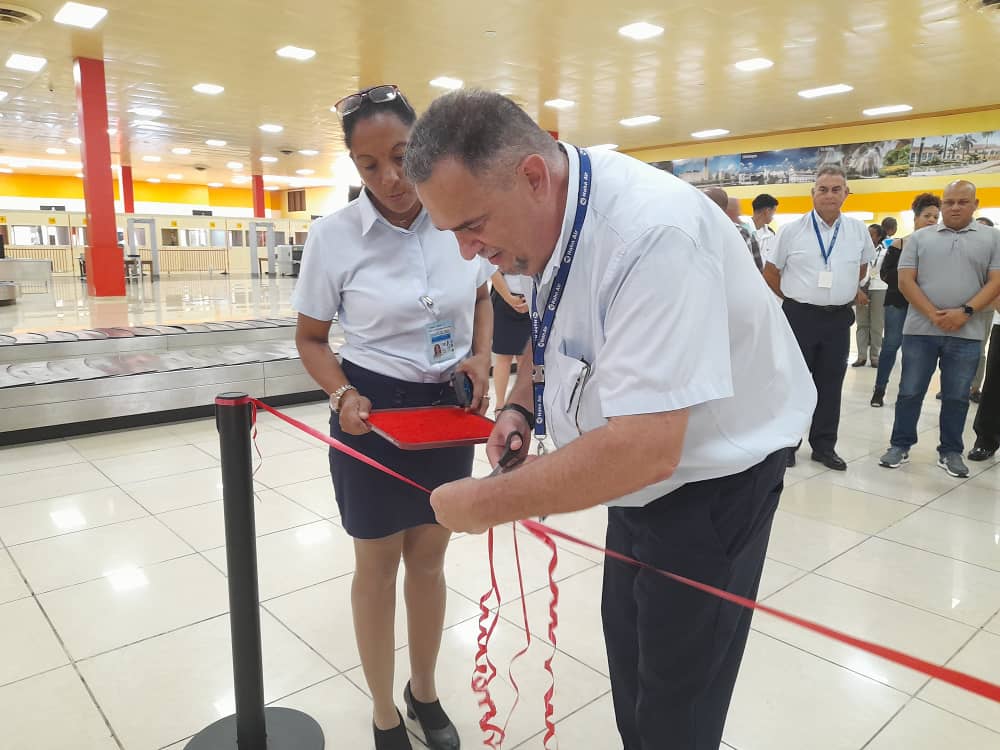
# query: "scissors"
[[511, 458]]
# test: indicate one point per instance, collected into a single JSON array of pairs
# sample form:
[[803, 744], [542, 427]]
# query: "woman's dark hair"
[[398, 106], [879, 231], [924, 201]]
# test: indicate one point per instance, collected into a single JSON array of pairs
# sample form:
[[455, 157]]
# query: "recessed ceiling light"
[[153, 179], [6, 170], [180, 151], [444, 82], [640, 30], [891, 109], [3, 95], [55, 151], [153, 159], [269, 159], [26, 62], [714, 133], [175, 176], [208, 88], [74, 140], [305, 172], [631, 122], [78, 14], [241, 180], [215, 142], [147, 111], [309, 152], [603, 147], [296, 53], [270, 128], [754, 63], [559, 103], [234, 165], [837, 88], [272, 187], [216, 184]]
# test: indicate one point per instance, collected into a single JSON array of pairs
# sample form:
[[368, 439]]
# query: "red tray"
[[430, 427]]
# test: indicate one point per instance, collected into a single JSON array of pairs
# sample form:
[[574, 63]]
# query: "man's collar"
[[972, 227]]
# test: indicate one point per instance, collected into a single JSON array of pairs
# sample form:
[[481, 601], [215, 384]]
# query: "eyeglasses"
[[376, 95]]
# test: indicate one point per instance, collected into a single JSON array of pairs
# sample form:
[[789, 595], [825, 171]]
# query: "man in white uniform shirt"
[[816, 266], [665, 375], [764, 207]]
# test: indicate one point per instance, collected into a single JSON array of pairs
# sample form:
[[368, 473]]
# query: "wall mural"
[[932, 155]]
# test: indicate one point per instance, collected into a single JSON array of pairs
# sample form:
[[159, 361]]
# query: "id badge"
[[441, 341], [826, 279]]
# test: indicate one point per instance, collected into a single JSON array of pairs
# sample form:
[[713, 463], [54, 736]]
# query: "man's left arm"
[[952, 320]]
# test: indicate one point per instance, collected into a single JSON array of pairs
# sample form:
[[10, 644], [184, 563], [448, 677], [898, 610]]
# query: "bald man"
[[950, 274], [731, 207]]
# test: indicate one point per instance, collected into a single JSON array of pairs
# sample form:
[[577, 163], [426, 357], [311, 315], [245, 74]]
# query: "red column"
[[258, 196], [128, 191], [105, 269]]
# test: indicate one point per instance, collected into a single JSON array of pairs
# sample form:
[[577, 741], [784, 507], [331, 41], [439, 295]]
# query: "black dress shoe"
[[392, 739], [859, 363], [439, 732], [975, 396], [791, 458], [981, 454], [830, 460]]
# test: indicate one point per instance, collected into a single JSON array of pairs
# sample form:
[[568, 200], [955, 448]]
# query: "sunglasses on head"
[[376, 95]]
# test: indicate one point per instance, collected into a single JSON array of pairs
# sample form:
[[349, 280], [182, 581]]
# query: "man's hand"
[[950, 320], [861, 298]]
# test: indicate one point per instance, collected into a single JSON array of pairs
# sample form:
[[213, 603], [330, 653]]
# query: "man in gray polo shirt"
[[950, 273]]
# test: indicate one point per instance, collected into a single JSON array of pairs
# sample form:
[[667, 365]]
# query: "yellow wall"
[[880, 196]]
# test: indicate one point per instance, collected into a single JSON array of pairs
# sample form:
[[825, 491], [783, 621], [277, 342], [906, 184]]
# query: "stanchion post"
[[252, 727]]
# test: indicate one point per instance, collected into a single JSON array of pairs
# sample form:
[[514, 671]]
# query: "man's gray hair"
[[835, 169], [480, 129]]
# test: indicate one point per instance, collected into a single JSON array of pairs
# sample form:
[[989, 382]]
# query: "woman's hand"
[[354, 412], [477, 367]]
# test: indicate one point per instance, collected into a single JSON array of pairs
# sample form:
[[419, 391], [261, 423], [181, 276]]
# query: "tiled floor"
[[114, 628]]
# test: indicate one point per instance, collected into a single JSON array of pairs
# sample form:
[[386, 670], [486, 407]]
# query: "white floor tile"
[[972, 501], [321, 616], [28, 645], [41, 519], [807, 544], [593, 726], [157, 463], [310, 463], [786, 699], [268, 442], [993, 625], [591, 525], [337, 705], [914, 483], [12, 585], [85, 555], [126, 442], [53, 482], [34, 456], [964, 539], [953, 589], [989, 479], [315, 494], [980, 658], [52, 710], [841, 506], [114, 611], [776, 576], [164, 689], [868, 616], [296, 558], [177, 491], [203, 526], [921, 726]]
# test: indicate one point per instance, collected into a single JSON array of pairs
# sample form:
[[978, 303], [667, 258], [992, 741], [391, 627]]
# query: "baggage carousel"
[[60, 383]]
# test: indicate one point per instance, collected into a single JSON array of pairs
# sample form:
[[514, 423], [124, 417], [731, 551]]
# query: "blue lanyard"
[[541, 326], [827, 252]]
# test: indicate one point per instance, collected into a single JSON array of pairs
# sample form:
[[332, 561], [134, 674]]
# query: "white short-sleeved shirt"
[[373, 275], [798, 256], [517, 284], [765, 241], [665, 310], [875, 282]]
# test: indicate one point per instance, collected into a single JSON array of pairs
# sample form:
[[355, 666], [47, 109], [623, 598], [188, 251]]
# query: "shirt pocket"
[[566, 381]]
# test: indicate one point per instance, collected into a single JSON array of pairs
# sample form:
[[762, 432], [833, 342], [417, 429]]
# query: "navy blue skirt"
[[372, 504]]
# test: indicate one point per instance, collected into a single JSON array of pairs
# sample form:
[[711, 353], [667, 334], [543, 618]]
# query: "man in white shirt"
[[817, 264], [764, 207], [664, 374]]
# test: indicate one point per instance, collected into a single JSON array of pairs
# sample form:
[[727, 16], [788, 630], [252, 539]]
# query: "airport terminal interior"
[[161, 165]]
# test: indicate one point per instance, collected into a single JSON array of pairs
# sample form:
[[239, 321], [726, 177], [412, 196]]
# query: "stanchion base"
[[287, 729]]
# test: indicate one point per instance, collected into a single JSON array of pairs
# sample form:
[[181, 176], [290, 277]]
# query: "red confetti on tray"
[[430, 427]]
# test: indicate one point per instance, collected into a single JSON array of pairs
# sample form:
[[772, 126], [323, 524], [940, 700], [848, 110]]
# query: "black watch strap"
[[528, 416], [969, 310]]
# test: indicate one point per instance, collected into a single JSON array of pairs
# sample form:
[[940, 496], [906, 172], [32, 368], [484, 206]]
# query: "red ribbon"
[[485, 671]]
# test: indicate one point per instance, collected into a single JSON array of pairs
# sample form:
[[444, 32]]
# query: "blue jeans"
[[894, 319], [921, 354]]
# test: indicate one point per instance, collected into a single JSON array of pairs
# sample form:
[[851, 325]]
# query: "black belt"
[[821, 308]]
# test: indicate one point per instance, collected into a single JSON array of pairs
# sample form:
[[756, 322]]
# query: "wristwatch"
[[338, 395], [968, 310]]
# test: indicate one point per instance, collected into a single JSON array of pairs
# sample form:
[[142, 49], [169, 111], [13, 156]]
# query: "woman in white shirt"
[[870, 307], [413, 313]]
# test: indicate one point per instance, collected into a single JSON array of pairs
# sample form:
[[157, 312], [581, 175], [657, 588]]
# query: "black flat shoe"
[[392, 739], [439, 732], [981, 454], [830, 460]]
